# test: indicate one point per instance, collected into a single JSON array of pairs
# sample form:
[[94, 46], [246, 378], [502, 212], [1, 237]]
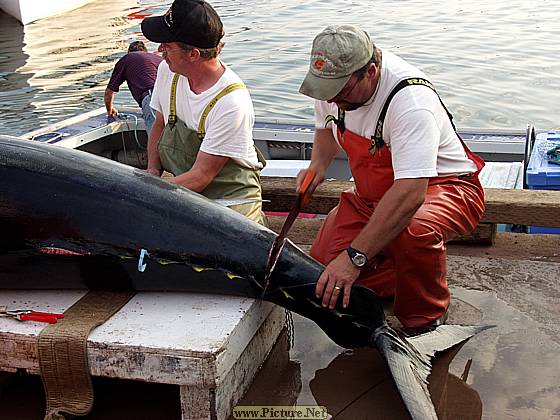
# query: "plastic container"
[[541, 174]]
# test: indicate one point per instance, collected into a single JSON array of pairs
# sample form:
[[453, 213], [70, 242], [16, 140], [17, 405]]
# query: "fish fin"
[[409, 361], [444, 337]]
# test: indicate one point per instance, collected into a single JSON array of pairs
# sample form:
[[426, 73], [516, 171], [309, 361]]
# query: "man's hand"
[[108, 99], [154, 171], [339, 276], [325, 149], [112, 112], [317, 179]]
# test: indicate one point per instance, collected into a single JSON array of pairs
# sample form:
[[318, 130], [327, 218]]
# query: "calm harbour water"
[[494, 63]]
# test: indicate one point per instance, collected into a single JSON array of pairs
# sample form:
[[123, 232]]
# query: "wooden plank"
[[483, 234], [281, 193], [303, 231], [522, 207], [515, 246], [197, 403], [217, 402], [239, 378]]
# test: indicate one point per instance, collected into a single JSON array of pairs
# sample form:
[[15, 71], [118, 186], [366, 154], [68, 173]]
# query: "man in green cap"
[[203, 133], [416, 183]]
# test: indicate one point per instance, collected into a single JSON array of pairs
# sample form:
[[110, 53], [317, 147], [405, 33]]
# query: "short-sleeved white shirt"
[[229, 125], [416, 129]]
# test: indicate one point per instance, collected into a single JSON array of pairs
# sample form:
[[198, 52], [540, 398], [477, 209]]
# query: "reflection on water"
[[514, 372], [509, 371], [15, 89], [494, 63], [358, 385], [59, 66]]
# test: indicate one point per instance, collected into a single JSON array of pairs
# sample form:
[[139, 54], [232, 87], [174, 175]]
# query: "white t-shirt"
[[416, 129], [229, 125]]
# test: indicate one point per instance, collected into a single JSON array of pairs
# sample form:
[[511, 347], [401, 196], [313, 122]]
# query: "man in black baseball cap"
[[193, 22], [203, 133]]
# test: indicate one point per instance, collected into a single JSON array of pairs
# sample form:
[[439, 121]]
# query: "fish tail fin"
[[409, 360]]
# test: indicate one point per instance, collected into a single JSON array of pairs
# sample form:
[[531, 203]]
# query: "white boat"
[[27, 11], [286, 145]]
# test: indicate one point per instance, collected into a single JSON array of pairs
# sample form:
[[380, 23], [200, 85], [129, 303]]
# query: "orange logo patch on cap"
[[319, 63]]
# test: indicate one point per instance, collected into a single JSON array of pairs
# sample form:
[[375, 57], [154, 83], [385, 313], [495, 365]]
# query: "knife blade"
[[278, 244]]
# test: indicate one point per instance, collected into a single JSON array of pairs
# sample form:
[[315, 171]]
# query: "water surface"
[[494, 63]]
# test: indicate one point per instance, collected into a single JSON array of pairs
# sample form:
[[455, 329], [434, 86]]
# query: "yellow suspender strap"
[[173, 100], [224, 92]]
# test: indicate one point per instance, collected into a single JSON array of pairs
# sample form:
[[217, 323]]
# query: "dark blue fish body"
[[126, 228]]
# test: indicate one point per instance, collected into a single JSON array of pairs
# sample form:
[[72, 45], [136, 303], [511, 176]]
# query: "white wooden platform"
[[209, 345]]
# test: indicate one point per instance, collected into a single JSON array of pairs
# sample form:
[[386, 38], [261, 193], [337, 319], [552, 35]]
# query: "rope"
[[290, 328]]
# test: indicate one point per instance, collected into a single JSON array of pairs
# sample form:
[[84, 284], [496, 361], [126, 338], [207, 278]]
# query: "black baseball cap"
[[193, 22]]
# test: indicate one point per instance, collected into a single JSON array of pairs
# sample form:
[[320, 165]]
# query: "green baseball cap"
[[337, 52]]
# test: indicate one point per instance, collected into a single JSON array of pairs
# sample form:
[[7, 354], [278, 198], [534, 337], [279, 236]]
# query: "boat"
[[286, 145], [27, 11]]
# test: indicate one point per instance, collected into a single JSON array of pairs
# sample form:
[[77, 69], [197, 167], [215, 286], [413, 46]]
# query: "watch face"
[[359, 260]]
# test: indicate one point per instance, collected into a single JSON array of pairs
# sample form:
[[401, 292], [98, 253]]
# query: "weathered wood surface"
[[508, 246], [208, 344], [304, 231], [514, 246], [521, 207]]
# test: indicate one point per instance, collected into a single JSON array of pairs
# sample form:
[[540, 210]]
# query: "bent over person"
[[138, 68], [416, 183], [203, 133]]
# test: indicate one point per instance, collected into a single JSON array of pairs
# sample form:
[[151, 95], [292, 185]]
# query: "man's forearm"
[[108, 98], [154, 163], [195, 181], [392, 214], [324, 150], [205, 168]]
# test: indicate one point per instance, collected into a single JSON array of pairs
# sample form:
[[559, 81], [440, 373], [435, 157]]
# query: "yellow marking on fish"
[[314, 303], [287, 295], [232, 276], [168, 262], [341, 315], [200, 269]]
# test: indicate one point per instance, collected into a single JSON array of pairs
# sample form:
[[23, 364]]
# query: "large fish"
[[120, 227]]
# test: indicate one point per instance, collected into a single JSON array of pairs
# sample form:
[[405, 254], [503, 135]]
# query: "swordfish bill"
[[70, 219]]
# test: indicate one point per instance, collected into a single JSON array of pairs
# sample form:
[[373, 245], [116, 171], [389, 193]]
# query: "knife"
[[278, 244]]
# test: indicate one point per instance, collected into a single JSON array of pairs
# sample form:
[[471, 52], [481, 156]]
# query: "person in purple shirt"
[[139, 69]]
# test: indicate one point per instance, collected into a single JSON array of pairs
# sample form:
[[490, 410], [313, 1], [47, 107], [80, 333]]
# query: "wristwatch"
[[358, 258]]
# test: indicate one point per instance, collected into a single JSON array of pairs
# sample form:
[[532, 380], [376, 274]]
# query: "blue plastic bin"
[[542, 175]]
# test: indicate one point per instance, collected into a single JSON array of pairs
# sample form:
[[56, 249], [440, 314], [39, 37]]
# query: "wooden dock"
[[508, 206]]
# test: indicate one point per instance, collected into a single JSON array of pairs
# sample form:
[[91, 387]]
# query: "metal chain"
[[290, 328]]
